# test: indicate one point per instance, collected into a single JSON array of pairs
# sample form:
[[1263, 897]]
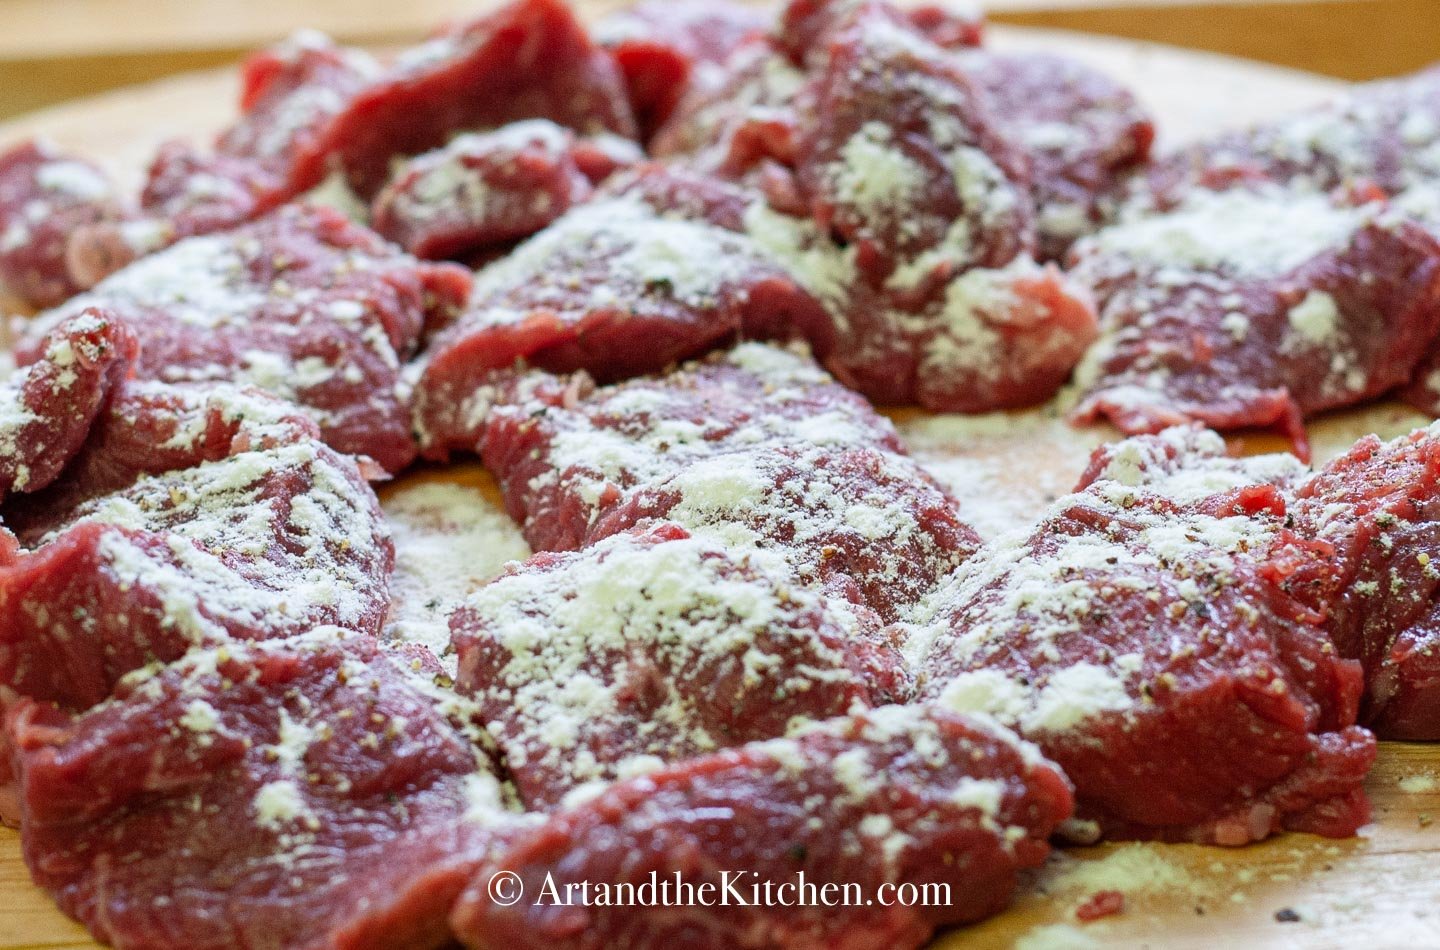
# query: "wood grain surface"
[[1376, 891]]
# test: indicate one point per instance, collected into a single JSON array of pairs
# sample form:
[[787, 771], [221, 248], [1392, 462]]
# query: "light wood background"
[[1380, 890]]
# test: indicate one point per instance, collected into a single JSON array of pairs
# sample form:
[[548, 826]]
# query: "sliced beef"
[[483, 191], [261, 544], [863, 515], [530, 59], [47, 408], [316, 794], [868, 805], [1255, 308], [301, 303], [1149, 648], [653, 647], [45, 196], [562, 465]]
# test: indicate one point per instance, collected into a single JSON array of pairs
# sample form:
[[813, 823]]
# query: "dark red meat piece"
[[1081, 131], [896, 796], [44, 197], [1255, 308], [871, 517], [564, 465], [653, 646], [1148, 647], [301, 303], [659, 45], [488, 189], [530, 59], [806, 28], [258, 545], [47, 408], [319, 794]]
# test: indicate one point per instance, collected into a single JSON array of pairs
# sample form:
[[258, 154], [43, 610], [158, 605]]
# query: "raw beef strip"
[[617, 288], [872, 517], [563, 466], [261, 544], [1081, 131], [1254, 308], [149, 428], [653, 647], [319, 793], [529, 59], [484, 190], [1366, 552], [44, 197], [660, 46], [1149, 649], [892, 797], [47, 408], [301, 303]]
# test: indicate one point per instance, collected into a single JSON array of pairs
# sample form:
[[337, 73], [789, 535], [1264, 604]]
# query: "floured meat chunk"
[[47, 408], [485, 190], [564, 465], [661, 46], [301, 303], [45, 196], [653, 647], [865, 515], [530, 59], [616, 288], [870, 803], [1147, 646], [806, 27], [316, 794], [1188, 465], [1081, 131], [1254, 308], [261, 544]]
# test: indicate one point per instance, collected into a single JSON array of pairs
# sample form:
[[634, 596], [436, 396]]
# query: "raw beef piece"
[[653, 647], [618, 289], [563, 466], [660, 46], [258, 545], [484, 190], [315, 794], [301, 303], [1081, 131], [1254, 308], [1188, 465], [149, 428], [871, 517], [47, 408], [529, 59], [44, 197], [1149, 649], [891, 797], [1365, 551], [807, 28]]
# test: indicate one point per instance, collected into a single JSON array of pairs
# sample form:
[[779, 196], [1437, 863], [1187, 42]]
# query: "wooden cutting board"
[[1381, 889]]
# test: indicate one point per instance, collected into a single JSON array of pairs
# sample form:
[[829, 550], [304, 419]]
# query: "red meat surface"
[[1254, 308], [618, 289], [563, 466], [261, 544], [895, 796], [1081, 131], [45, 196], [1148, 647], [870, 517], [484, 190], [316, 794], [653, 646], [530, 59], [1188, 464], [301, 303], [47, 408], [660, 45], [806, 28]]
